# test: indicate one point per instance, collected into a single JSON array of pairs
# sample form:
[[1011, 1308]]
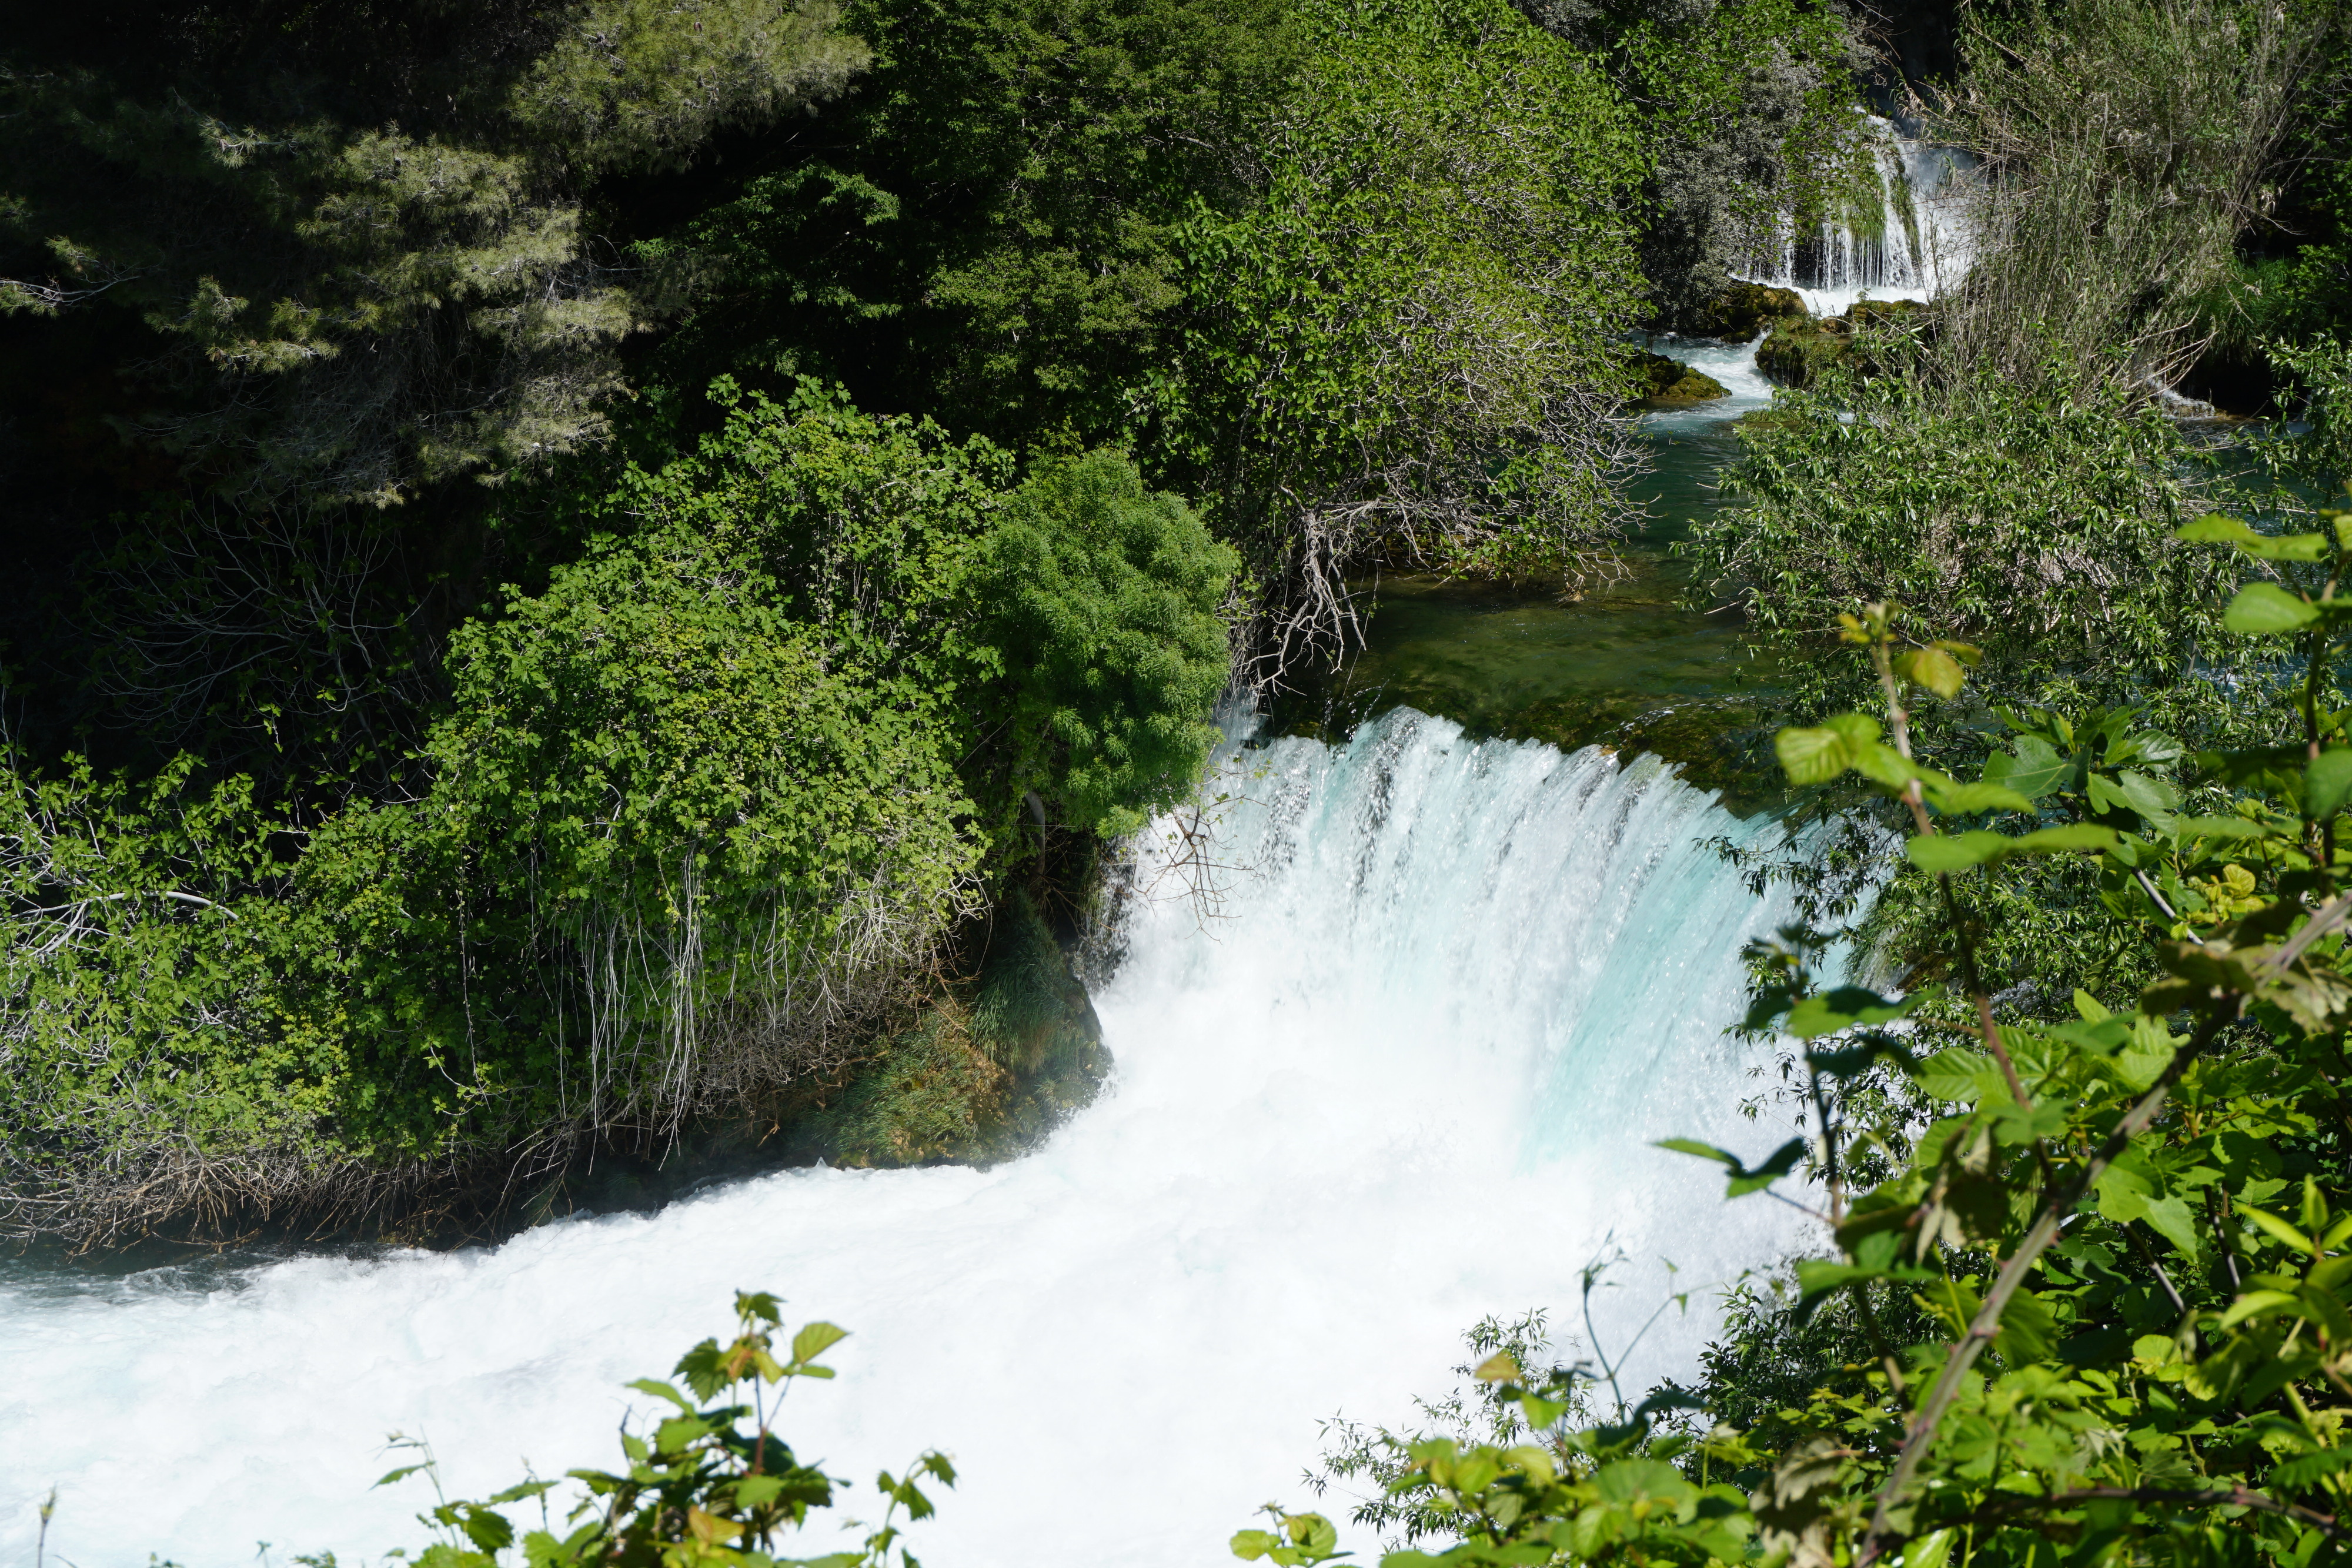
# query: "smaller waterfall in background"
[[1407, 1077], [1903, 238]]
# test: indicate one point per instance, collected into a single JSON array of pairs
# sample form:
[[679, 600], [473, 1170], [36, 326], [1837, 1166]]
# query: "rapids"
[[1406, 1077]]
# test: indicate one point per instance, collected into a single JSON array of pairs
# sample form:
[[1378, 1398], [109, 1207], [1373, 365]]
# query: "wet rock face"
[[1669, 383], [1799, 348], [1744, 309]]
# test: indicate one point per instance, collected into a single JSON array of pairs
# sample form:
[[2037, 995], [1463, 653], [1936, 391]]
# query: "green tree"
[[354, 234], [1405, 348], [1101, 600]]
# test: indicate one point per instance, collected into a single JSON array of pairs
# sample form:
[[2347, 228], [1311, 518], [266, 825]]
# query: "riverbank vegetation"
[[599, 581], [567, 561]]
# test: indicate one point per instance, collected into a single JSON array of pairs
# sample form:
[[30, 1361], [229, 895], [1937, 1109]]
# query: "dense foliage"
[[588, 567], [2093, 1267], [698, 815], [445, 735]]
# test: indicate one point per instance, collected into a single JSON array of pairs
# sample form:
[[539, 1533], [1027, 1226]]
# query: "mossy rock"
[[1797, 350], [1670, 383], [1744, 309], [982, 1073]]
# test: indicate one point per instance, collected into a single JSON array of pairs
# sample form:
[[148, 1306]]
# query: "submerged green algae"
[[1632, 664]]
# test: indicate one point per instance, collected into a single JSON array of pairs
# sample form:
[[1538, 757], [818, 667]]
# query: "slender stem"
[[2008, 1503], [2147, 1256], [1987, 1323], [1898, 718]]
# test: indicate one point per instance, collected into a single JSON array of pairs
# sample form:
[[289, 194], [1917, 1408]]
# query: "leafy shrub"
[[1098, 603], [702, 1488], [693, 829], [2038, 523], [1408, 344]]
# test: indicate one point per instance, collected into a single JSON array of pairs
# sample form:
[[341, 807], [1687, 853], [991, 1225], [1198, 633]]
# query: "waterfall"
[[1406, 1075], [1902, 235]]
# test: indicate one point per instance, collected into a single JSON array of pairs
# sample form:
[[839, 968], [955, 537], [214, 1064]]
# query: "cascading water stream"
[[1907, 238], [1409, 1077]]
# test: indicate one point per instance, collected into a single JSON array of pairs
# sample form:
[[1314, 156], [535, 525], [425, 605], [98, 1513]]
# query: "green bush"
[[693, 832], [2036, 522], [1101, 601]]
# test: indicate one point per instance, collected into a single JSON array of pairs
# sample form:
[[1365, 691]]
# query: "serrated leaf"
[[2265, 610], [1954, 1074], [2034, 770], [2303, 1469], [490, 1531], [660, 1390]]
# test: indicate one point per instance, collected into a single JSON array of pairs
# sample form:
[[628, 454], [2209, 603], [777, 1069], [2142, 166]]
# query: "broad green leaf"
[[1846, 1005], [1882, 764], [815, 1340], [2304, 1470], [2326, 781], [2028, 1332], [490, 1531], [1743, 1180], [2215, 828], [1958, 851], [1932, 668], [660, 1390], [1955, 1075], [1930, 1551], [2018, 1127], [2214, 528], [1812, 755], [2279, 1227], [758, 1491], [2265, 610], [1955, 798], [1859, 728], [1818, 1279], [2253, 1302], [2034, 769]]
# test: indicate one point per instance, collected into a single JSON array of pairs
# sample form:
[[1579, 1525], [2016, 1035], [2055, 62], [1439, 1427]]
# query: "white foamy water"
[[1408, 1081], [1733, 365], [1922, 246]]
